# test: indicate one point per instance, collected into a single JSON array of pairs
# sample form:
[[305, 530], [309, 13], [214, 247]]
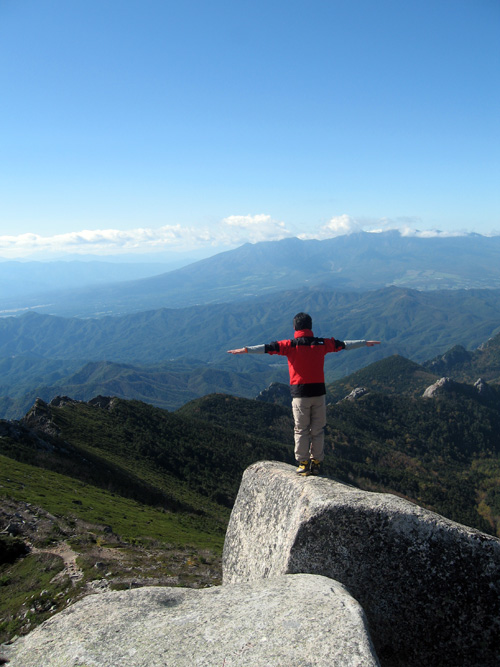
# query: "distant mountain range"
[[418, 325], [363, 261], [141, 348]]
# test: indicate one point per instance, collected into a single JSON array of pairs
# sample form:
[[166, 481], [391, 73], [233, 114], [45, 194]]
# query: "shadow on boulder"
[[430, 587]]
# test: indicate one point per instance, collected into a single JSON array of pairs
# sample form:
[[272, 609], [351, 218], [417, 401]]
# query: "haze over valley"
[[354, 262]]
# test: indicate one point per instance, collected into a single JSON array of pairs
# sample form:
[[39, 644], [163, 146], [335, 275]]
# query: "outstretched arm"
[[253, 349], [353, 344]]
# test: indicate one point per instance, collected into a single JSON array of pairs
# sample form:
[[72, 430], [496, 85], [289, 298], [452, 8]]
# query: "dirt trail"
[[69, 557]]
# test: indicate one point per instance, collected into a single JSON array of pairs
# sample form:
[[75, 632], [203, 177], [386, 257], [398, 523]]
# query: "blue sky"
[[148, 126]]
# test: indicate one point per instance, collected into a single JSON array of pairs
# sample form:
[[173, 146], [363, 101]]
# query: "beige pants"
[[309, 414]]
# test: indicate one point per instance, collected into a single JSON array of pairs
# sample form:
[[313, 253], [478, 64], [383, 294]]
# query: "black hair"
[[302, 321]]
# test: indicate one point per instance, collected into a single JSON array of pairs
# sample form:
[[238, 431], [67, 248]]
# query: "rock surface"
[[295, 620], [484, 389], [479, 390], [40, 419], [430, 587], [355, 394]]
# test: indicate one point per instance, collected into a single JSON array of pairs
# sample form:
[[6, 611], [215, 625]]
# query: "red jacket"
[[306, 359]]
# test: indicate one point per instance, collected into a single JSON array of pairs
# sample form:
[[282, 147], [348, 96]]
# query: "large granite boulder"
[[430, 587], [292, 621]]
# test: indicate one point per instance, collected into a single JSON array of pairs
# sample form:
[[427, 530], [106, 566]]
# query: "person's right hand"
[[241, 350]]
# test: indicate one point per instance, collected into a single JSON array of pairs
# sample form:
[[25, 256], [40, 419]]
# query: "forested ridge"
[[169, 357]]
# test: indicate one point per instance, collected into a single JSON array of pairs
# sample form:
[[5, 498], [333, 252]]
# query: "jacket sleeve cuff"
[[256, 349]]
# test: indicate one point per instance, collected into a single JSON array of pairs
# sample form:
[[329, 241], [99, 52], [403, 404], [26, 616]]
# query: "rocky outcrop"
[[278, 393], [61, 401], [480, 390], [104, 402], [355, 394], [294, 620], [484, 390], [430, 587], [314, 570], [442, 386], [39, 418]]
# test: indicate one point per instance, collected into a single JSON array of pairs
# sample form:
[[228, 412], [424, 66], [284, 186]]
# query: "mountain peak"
[[349, 262]]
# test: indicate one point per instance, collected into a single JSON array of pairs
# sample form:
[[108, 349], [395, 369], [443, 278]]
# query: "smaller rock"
[[39, 417], [355, 394], [60, 401], [484, 389], [292, 620], [104, 402]]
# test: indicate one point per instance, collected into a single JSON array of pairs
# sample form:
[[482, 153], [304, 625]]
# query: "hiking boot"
[[304, 468], [315, 467]]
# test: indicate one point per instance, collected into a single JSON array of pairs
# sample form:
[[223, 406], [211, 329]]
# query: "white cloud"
[[238, 229], [339, 225], [408, 226], [230, 232], [429, 233], [97, 241], [345, 224]]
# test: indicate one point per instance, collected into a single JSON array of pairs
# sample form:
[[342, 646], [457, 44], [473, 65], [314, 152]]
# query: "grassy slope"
[[183, 455], [135, 544], [129, 519]]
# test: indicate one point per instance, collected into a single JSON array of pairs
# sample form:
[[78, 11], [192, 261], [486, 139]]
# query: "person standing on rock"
[[306, 359]]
